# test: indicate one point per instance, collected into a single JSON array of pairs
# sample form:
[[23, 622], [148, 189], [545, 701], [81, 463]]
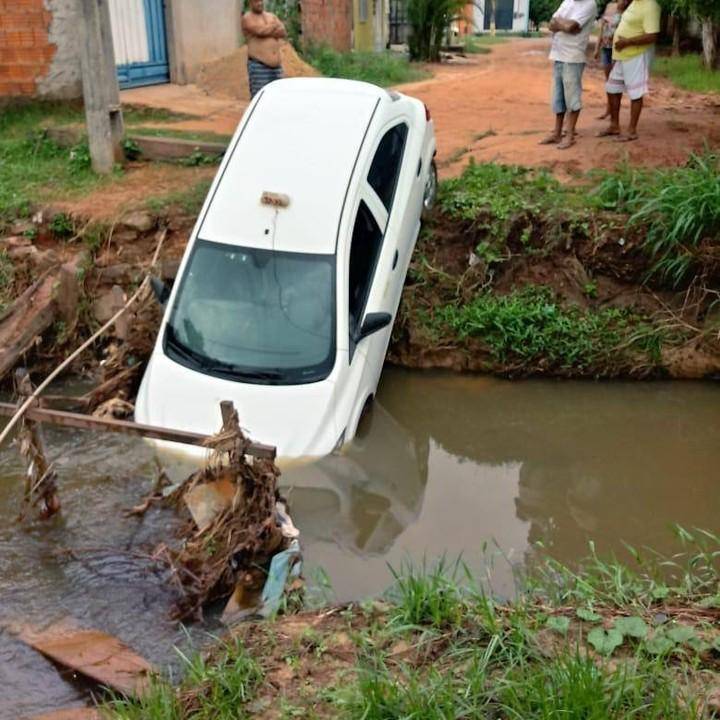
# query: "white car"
[[292, 277]]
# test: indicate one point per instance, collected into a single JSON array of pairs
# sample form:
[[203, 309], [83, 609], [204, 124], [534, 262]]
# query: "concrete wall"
[[199, 31], [329, 22], [38, 49]]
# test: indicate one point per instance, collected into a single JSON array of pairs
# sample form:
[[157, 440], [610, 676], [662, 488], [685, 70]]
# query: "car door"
[[376, 262]]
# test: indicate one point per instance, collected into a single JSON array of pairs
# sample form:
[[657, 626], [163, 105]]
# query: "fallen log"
[[52, 296]]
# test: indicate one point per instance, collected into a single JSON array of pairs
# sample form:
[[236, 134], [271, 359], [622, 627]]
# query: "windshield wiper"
[[245, 373], [188, 353]]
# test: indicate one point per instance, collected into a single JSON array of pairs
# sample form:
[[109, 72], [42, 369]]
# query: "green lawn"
[[384, 69], [687, 72]]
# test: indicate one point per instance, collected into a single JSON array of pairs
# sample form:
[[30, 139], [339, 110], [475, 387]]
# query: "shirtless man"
[[263, 32]]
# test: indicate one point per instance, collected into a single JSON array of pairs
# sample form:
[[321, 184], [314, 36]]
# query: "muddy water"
[[445, 464]]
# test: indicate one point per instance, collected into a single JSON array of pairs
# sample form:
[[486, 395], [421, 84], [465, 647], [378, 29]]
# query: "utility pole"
[[103, 114]]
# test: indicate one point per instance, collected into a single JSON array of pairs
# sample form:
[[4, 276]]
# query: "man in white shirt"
[[571, 26]]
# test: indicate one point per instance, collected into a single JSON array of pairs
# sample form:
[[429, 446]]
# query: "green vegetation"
[[32, 167], [678, 210], [688, 73], [603, 641], [530, 327], [384, 69], [190, 201], [429, 21]]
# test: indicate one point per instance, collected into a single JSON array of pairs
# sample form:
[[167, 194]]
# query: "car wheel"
[[431, 188]]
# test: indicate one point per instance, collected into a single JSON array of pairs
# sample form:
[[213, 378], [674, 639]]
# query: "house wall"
[[521, 15], [38, 49], [330, 22], [199, 32]]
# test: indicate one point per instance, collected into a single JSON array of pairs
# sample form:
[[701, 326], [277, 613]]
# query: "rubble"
[[235, 531]]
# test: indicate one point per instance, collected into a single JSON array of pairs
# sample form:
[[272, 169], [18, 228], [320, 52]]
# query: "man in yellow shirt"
[[632, 52]]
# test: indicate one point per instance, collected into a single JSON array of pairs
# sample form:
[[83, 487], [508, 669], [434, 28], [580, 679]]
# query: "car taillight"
[[427, 114]]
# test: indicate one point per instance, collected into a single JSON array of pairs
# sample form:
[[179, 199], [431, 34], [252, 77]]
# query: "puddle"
[[444, 464]]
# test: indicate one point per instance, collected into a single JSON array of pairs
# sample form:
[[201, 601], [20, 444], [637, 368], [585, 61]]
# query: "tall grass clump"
[[678, 209], [427, 595]]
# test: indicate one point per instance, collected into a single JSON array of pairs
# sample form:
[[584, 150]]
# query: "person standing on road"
[[604, 47], [263, 32], [633, 51], [571, 25]]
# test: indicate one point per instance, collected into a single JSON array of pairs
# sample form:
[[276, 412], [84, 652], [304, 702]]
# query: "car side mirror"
[[372, 323], [160, 290]]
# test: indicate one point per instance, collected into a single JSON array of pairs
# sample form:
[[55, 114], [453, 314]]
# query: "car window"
[[386, 164], [364, 252]]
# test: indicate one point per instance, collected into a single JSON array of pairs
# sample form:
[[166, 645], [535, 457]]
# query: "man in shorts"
[[263, 33], [571, 25], [633, 51], [604, 47]]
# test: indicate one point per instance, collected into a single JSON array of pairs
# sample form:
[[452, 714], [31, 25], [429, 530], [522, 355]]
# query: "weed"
[[131, 149], [529, 326], [7, 276], [384, 69], [427, 596], [197, 157], [62, 225], [679, 209]]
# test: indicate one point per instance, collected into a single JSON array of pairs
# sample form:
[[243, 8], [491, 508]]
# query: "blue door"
[[138, 28]]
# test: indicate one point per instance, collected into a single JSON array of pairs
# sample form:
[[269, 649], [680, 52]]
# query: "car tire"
[[431, 189]]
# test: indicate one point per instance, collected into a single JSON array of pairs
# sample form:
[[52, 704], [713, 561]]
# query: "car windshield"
[[254, 315]]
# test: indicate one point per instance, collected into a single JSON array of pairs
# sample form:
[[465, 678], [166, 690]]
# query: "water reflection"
[[449, 464]]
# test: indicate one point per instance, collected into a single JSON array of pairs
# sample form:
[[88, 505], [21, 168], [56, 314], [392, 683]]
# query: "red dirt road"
[[495, 107], [507, 93]]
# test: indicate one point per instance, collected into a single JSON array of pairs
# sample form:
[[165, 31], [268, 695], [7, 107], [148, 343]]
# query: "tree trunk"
[[675, 35], [710, 54]]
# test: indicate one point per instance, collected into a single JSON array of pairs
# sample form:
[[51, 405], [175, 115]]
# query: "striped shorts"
[[259, 75]]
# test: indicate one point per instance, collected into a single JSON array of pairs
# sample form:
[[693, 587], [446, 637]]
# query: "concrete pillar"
[[103, 115]]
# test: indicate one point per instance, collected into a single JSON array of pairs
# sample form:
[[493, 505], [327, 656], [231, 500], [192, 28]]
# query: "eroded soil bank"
[[513, 274]]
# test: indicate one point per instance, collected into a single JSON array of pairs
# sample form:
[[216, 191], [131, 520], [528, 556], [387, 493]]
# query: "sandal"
[[550, 140], [630, 137], [608, 132]]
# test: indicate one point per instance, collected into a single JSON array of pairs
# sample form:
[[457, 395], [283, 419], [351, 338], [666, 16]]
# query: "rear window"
[[385, 168]]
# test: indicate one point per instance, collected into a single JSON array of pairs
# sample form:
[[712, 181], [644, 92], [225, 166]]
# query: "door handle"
[[419, 170], [395, 259]]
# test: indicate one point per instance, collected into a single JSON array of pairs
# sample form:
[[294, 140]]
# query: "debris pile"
[[239, 533], [228, 75]]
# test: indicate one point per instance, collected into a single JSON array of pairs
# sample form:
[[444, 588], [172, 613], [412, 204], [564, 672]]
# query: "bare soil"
[[504, 97]]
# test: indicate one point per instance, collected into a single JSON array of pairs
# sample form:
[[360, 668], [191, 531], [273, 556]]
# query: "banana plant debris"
[[238, 523]]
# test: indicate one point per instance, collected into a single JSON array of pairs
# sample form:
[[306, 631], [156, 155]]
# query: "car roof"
[[301, 141]]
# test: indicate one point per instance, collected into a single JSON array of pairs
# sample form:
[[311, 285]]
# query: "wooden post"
[[40, 479], [103, 115]]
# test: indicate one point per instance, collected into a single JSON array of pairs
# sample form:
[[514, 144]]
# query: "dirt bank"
[[227, 77]]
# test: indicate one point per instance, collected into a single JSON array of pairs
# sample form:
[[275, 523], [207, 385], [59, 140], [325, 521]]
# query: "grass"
[[190, 200], [688, 73], [530, 328], [181, 134], [384, 69], [439, 647], [34, 169], [678, 209]]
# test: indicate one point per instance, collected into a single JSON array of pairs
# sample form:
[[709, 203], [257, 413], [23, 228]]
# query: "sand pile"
[[228, 75]]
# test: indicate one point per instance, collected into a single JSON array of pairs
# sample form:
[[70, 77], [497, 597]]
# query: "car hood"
[[299, 420]]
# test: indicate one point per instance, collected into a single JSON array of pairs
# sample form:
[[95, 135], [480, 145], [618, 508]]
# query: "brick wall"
[[327, 22], [38, 49]]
